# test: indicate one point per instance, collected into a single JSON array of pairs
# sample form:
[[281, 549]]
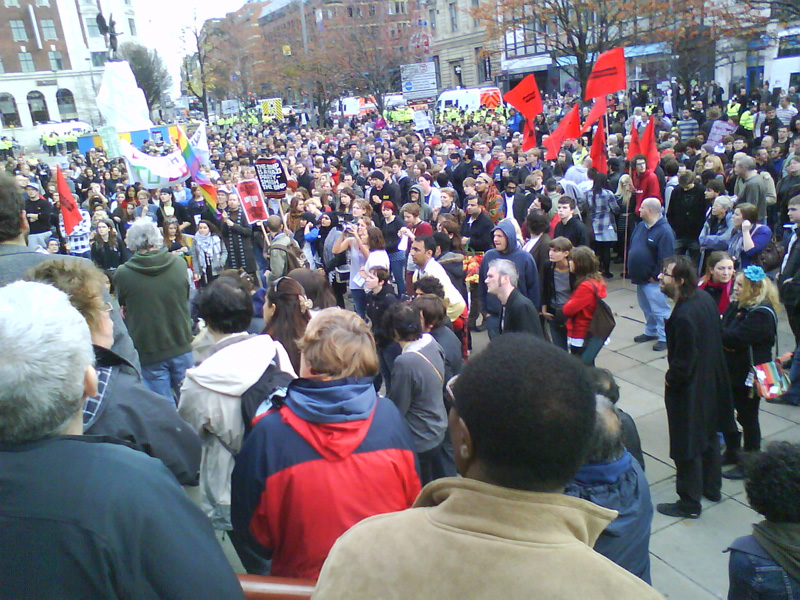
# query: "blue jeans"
[[165, 376], [398, 269], [359, 302], [653, 303], [752, 576]]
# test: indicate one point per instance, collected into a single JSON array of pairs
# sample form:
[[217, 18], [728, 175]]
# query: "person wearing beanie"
[[381, 191]]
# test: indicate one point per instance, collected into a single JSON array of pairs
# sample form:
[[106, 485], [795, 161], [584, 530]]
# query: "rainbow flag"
[[193, 162]]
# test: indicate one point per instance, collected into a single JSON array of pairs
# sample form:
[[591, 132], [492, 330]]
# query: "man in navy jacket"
[[652, 241]]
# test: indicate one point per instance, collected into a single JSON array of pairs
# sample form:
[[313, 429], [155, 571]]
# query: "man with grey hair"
[[612, 478], [113, 519], [753, 188], [153, 290], [517, 313]]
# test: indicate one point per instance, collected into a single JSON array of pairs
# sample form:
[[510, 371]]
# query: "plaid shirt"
[[603, 206]]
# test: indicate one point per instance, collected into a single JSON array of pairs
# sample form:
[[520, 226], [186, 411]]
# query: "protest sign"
[[154, 172], [252, 201], [720, 129], [271, 176]]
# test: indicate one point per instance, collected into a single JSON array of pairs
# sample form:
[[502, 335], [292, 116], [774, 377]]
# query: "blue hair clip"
[[754, 273]]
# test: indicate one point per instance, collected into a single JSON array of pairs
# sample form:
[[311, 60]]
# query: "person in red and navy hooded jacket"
[[333, 453]]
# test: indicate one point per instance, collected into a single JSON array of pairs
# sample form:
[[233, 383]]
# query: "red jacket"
[[646, 186], [580, 307]]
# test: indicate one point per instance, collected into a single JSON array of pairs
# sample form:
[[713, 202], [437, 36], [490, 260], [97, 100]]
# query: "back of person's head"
[[529, 409], [686, 178], [429, 285], [143, 235], [403, 321], [604, 384], [607, 443], [432, 309], [585, 263], [290, 315], [671, 168], [226, 305], [274, 224], [748, 163], [442, 241], [316, 286], [12, 203], [45, 355], [772, 482], [715, 185], [375, 240], [337, 344], [537, 222]]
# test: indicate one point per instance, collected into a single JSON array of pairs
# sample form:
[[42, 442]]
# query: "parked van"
[[469, 98]]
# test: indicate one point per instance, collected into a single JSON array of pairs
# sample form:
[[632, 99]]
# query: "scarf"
[[782, 543], [721, 290], [207, 249]]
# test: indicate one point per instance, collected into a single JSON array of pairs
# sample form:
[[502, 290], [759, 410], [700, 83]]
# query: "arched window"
[[8, 111], [38, 107], [66, 105]]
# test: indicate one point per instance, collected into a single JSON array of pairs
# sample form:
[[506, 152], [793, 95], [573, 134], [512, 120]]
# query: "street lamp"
[[457, 70]]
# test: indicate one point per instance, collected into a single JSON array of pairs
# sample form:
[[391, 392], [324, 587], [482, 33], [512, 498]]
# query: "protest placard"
[[271, 176], [252, 201]]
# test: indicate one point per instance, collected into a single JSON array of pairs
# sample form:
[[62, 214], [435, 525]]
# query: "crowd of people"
[[312, 375]]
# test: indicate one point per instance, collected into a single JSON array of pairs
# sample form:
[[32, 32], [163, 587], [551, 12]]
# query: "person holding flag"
[[74, 223]]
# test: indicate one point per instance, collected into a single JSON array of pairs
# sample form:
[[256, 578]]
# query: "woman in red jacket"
[[579, 309], [645, 182]]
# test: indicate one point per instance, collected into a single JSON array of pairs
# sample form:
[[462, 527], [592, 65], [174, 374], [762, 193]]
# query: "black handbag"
[[603, 321], [771, 257]]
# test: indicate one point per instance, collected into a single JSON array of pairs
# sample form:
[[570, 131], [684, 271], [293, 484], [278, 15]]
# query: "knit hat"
[[377, 174]]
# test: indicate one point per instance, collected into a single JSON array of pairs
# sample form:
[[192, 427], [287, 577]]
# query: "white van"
[[470, 98]]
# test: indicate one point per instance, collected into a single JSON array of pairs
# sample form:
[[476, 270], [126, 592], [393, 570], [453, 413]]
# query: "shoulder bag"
[[769, 379], [603, 321]]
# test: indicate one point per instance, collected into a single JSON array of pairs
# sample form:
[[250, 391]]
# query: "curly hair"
[[772, 482]]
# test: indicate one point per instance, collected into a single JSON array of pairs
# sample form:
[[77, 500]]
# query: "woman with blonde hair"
[[627, 217], [749, 329]]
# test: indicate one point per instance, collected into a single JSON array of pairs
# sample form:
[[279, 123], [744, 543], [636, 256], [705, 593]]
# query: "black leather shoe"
[[675, 509], [479, 328], [714, 497], [660, 346], [644, 338], [735, 473]]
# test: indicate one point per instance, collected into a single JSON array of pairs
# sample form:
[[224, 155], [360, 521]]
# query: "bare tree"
[[195, 76], [149, 70]]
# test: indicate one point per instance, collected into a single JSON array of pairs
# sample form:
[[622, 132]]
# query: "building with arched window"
[[52, 58]]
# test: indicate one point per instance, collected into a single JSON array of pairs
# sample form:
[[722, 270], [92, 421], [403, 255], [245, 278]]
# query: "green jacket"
[[153, 288]]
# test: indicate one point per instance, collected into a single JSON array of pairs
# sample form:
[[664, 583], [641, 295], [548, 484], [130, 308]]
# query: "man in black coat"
[[697, 393], [458, 172], [476, 231], [517, 314]]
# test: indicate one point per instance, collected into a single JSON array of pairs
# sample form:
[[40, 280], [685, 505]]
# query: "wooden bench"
[[275, 588]]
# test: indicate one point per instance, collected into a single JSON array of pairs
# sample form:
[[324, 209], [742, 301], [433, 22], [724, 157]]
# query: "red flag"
[[608, 74], [648, 145], [634, 147], [598, 152], [525, 98], [597, 112], [69, 208], [528, 137], [569, 128]]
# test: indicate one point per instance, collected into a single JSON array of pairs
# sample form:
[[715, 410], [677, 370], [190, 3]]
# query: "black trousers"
[[699, 476], [746, 404], [794, 322]]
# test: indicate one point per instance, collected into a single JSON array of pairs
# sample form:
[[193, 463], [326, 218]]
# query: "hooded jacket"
[[540, 546], [332, 455], [425, 211], [154, 290], [528, 283], [211, 397]]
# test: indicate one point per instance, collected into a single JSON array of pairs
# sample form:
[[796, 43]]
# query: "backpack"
[[295, 257], [265, 394]]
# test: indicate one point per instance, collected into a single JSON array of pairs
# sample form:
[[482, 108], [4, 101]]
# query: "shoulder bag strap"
[[439, 375]]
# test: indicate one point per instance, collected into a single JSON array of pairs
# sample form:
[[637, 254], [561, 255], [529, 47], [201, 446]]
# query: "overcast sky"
[[161, 24]]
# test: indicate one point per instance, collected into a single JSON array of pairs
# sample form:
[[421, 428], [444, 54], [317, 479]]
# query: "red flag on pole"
[[608, 74], [569, 128], [69, 208], [525, 98], [528, 137], [597, 112], [598, 151], [634, 147], [648, 145]]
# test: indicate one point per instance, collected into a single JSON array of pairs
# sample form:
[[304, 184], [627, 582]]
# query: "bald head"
[[650, 211]]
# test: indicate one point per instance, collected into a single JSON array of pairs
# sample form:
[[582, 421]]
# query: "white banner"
[[199, 143], [154, 172]]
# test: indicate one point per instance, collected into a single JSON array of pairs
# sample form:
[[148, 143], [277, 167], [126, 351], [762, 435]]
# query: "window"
[[2, 68], [484, 64], [18, 32], [523, 40], [789, 46], [26, 62], [476, 4], [42, 2], [91, 27], [56, 64], [49, 29], [12, 3], [132, 26], [453, 17], [99, 58], [432, 18]]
